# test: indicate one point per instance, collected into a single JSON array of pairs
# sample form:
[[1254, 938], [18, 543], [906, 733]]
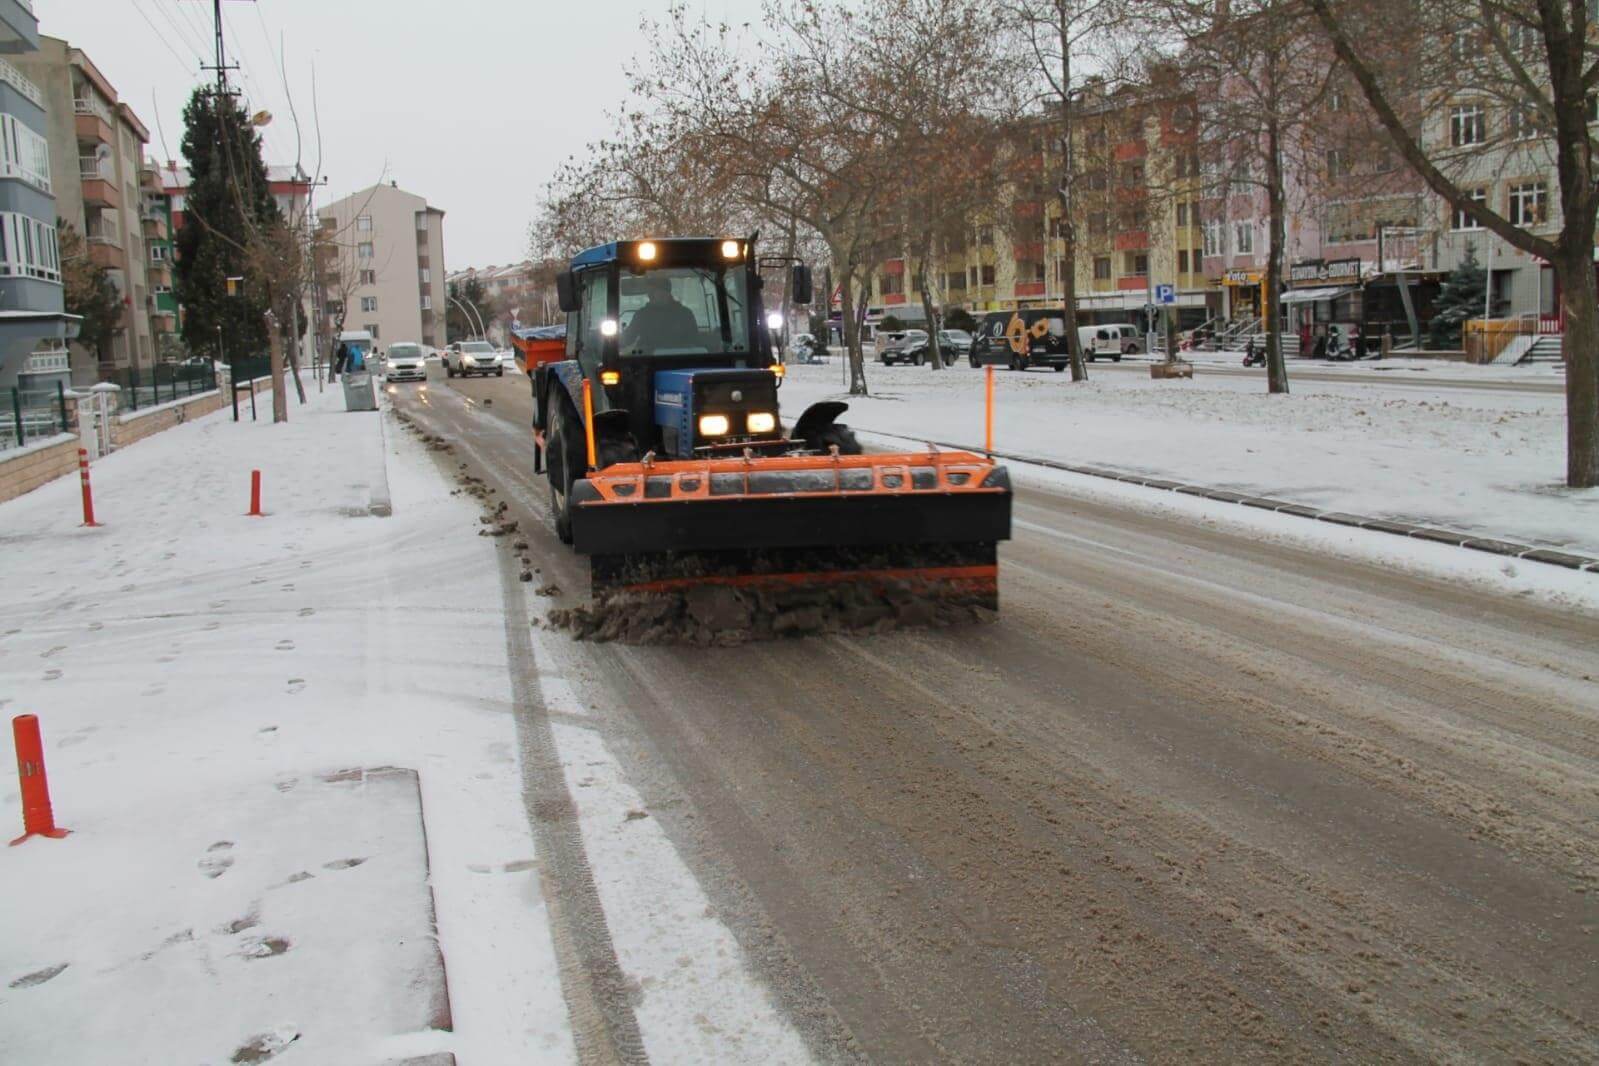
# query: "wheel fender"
[[817, 417]]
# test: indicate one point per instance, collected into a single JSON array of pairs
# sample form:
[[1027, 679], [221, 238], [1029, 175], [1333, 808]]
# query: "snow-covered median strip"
[[1483, 461]]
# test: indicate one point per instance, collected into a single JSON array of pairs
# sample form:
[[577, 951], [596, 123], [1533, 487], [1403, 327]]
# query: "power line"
[[162, 38], [181, 30]]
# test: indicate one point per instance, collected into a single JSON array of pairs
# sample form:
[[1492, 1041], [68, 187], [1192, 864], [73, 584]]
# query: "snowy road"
[[1196, 796]]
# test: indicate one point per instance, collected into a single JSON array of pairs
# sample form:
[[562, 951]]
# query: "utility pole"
[[221, 66]]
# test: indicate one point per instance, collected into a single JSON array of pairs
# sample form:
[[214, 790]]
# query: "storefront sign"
[[1321, 271], [1241, 277]]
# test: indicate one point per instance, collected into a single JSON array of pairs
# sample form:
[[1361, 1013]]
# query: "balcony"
[[1132, 240], [99, 189], [93, 120], [155, 227], [159, 272], [104, 252]]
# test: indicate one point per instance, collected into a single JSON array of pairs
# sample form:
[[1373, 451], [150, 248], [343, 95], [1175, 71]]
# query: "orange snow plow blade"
[[928, 520]]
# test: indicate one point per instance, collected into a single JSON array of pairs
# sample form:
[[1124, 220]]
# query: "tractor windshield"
[[684, 311]]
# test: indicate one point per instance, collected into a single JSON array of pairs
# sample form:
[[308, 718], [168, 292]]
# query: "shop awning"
[[1302, 296]]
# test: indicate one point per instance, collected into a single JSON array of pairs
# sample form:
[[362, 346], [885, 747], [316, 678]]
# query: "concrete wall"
[[25, 469]]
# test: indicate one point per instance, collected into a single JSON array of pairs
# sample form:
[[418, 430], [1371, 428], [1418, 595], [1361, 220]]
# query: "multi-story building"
[[519, 293], [386, 266], [97, 161], [33, 325]]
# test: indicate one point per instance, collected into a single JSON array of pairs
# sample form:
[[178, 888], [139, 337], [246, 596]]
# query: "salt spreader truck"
[[670, 467]]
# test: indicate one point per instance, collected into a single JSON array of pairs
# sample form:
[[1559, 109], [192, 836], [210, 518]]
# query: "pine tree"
[[1461, 297], [228, 206]]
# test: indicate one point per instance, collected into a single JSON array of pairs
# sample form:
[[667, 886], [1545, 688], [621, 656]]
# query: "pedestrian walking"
[[340, 359]]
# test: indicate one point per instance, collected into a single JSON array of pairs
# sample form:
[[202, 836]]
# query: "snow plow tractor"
[[670, 468]]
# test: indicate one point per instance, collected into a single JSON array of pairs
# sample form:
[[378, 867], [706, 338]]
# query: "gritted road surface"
[[1191, 798]]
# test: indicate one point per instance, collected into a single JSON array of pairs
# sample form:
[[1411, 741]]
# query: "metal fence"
[[247, 367], [163, 383], [34, 414]]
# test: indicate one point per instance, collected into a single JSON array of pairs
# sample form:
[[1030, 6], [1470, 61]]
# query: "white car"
[[473, 357], [404, 362]]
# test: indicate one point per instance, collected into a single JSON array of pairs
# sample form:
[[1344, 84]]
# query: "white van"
[[1113, 339]]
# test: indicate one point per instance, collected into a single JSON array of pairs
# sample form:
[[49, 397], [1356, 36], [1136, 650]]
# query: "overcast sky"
[[470, 103]]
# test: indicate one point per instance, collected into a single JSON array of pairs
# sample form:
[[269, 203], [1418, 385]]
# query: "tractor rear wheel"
[[560, 462]]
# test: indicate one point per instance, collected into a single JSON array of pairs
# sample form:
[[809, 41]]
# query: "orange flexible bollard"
[[37, 817], [255, 495], [988, 406], [588, 422], [83, 480]]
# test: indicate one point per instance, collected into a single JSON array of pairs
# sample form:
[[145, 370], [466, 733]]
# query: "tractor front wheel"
[[560, 462]]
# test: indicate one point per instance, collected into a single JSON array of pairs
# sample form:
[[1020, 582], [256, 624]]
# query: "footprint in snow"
[[296, 685], [38, 977], [287, 588], [307, 612], [263, 1046], [52, 674], [264, 947], [218, 603], [284, 645], [95, 627], [52, 651], [343, 864], [157, 689], [213, 626], [217, 860]]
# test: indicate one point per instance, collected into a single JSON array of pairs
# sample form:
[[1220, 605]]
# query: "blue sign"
[[1166, 294]]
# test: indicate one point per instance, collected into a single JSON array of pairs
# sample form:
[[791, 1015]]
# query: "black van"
[[1021, 339]]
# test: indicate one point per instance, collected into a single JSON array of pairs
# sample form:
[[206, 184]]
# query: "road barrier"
[[988, 411], [38, 820], [255, 495], [88, 494]]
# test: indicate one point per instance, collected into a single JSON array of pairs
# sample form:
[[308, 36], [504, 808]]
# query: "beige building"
[[388, 266], [96, 163]]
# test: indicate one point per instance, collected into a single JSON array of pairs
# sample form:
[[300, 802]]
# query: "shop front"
[[1323, 305], [1241, 290]]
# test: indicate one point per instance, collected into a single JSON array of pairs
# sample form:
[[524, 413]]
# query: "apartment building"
[[96, 145], [519, 293], [1138, 223], [33, 326], [386, 250]]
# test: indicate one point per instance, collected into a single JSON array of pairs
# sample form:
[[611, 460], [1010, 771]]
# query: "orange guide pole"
[[588, 421], [83, 478], [37, 817], [988, 408], [255, 495]]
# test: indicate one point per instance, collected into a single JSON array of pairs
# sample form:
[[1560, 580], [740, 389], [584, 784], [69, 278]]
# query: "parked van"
[[1113, 339], [1021, 339]]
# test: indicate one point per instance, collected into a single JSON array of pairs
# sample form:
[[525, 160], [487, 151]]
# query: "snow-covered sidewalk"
[[212, 689], [1481, 461]]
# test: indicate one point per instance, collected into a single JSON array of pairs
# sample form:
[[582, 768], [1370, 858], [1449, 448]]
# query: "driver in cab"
[[663, 322]]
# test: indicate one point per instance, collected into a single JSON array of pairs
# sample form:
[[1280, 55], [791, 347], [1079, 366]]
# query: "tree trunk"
[[1574, 268], [1276, 368], [1068, 281], [280, 401], [852, 335], [935, 353], [294, 352]]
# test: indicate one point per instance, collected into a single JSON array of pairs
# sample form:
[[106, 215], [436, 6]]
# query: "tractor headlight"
[[729, 249], [774, 321], [761, 422], [713, 425], [608, 327], [646, 252]]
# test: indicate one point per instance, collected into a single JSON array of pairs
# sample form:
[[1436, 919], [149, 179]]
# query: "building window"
[[26, 154], [1463, 46], [891, 284], [364, 249], [1523, 123], [1098, 223], [988, 273], [369, 303], [1529, 203], [1133, 175], [985, 234], [1215, 237], [974, 277], [1465, 221], [956, 282], [363, 224], [1101, 268], [1182, 260], [427, 276], [1182, 214], [158, 253], [1195, 259], [1136, 264], [1337, 165], [28, 248], [427, 302], [1244, 237], [1468, 124], [369, 277], [372, 328]]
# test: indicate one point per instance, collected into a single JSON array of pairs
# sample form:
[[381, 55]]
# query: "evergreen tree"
[[227, 209], [1461, 297]]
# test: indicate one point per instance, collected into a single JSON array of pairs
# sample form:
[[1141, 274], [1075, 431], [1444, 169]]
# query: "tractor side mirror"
[[800, 289], [566, 291]]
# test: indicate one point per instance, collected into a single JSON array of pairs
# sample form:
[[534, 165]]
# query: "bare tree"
[[1539, 59]]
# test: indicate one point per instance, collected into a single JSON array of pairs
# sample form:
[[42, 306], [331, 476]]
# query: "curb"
[[1473, 541], [379, 503]]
